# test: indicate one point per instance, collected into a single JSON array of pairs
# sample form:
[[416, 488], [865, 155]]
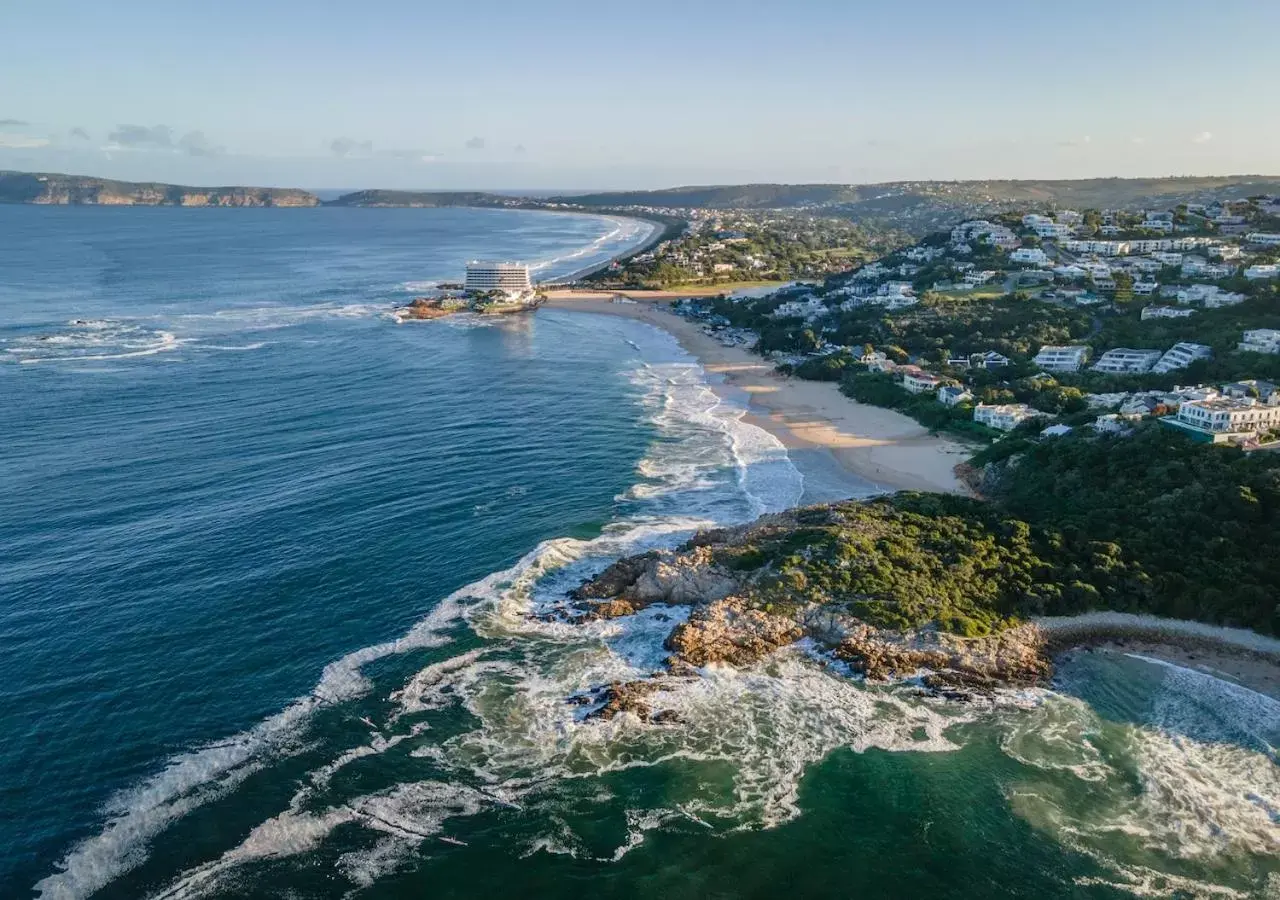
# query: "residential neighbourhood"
[[1155, 279]]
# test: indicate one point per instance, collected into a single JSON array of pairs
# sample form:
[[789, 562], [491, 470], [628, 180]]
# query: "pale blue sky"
[[571, 94]]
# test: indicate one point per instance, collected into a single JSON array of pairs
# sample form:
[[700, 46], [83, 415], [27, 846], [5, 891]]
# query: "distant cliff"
[[80, 190]]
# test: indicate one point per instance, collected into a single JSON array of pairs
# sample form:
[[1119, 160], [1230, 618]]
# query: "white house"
[[1209, 295], [1062, 359], [1260, 272], [1051, 229], [1101, 248], [1069, 273], [1163, 225], [1123, 360], [1056, 431], [1181, 355], [1002, 237], [991, 360], [1145, 288], [1168, 259], [1237, 416], [1031, 220], [1263, 238], [920, 382], [1111, 424], [1033, 255], [1003, 417], [974, 279], [808, 308], [1225, 251], [1068, 217], [1195, 267], [953, 395], [1265, 391], [1165, 312], [1260, 340]]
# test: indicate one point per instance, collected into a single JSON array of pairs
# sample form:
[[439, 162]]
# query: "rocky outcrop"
[[631, 584], [728, 631], [632, 697], [742, 586], [1015, 656]]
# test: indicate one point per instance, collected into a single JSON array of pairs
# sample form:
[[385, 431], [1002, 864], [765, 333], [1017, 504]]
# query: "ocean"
[[270, 569]]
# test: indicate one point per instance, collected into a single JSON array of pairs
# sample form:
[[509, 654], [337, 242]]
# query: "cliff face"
[[77, 190]]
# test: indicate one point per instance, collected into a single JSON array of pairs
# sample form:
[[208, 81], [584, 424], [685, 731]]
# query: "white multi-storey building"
[[509, 277], [1229, 416], [1123, 361], [1181, 355], [1101, 248], [1003, 417], [1062, 359], [1051, 230], [1032, 255], [1261, 340], [1260, 272], [921, 382], [1164, 312], [1265, 239]]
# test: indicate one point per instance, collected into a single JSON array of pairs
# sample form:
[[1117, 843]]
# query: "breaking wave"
[[467, 717]]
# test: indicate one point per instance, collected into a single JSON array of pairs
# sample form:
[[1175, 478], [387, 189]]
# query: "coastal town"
[[1190, 290]]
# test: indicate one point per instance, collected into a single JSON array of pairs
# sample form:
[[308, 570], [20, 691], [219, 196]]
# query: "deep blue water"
[[192, 532], [267, 565]]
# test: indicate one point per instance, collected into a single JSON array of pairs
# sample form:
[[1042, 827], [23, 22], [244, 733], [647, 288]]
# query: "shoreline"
[[882, 449], [1235, 655]]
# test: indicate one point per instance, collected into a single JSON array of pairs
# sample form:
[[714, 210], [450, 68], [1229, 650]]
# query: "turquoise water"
[[267, 561]]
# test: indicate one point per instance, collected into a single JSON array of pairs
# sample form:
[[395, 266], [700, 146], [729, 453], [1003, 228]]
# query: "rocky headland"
[[50, 189], [863, 583]]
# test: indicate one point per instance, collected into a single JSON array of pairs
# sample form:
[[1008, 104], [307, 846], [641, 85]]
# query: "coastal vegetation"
[[1153, 524], [740, 247]]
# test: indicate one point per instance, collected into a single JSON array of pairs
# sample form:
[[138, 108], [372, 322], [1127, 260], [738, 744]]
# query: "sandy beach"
[[885, 448], [1233, 654]]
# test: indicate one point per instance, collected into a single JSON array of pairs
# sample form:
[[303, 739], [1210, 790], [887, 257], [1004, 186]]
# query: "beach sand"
[[883, 449], [1231, 654]]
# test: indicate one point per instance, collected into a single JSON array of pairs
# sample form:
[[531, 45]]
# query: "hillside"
[[52, 189], [422, 199], [923, 206]]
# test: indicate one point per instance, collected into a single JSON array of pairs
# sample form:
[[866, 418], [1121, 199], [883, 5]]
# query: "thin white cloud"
[[1203, 137], [22, 142], [350, 148]]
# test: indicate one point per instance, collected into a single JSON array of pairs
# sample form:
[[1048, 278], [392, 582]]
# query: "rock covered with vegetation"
[[890, 586]]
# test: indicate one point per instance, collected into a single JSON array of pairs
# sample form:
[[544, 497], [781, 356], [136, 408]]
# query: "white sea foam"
[[766, 725], [1207, 785], [94, 341]]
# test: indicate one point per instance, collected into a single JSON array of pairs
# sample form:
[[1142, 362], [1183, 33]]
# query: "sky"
[[570, 95]]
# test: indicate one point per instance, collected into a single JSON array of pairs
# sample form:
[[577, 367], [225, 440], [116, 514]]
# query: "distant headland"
[[52, 189]]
